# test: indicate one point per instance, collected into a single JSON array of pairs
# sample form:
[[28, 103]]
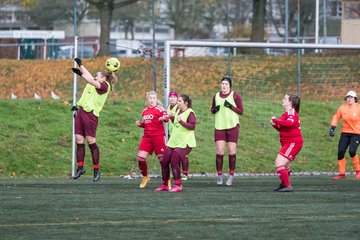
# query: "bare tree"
[[258, 21], [131, 14], [277, 16], [44, 13], [105, 9]]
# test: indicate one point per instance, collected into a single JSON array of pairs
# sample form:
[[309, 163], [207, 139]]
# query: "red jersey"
[[151, 123], [289, 126]]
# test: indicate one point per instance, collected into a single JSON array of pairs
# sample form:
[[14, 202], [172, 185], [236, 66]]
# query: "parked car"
[[68, 52], [126, 48]]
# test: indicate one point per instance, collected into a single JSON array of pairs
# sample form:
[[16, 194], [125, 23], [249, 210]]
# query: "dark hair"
[[295, 101], [226, 78], [187, 99]]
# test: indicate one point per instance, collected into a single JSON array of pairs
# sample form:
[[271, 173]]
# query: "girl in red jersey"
[[153, 118], [180, 144], [290, 138], [349, 112], [227, 106], [86, 116]]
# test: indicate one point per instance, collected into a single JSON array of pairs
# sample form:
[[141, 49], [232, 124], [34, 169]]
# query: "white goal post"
[[183, 44]]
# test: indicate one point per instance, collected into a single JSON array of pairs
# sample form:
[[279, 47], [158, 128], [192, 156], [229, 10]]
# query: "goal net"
[[262, 74]]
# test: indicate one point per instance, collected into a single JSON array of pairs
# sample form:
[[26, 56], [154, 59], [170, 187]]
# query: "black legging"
[[348, 140]]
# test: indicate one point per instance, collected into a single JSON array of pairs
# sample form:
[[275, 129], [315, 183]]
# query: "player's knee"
[[352, 153], [141, 159], [160, 157]]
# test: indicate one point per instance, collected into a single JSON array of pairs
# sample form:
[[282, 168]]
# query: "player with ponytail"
[[291, 139], [87, 113], [180, 144]]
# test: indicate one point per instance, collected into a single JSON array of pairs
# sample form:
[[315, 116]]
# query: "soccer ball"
[[112, 64]]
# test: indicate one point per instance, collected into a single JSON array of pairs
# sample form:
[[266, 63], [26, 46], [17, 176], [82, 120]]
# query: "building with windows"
[[350, 22]]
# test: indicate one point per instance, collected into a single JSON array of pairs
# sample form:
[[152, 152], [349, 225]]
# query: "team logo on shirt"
[[148, 118]]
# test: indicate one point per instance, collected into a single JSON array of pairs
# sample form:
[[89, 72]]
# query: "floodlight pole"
[[286, 21], [228, 38], [298, 51], [153, 43], [324, 20]]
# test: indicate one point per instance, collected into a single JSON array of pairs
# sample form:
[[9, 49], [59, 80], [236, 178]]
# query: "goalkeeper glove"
[[77, 71], [78, 61], [227, 104], [332, 131], [216, 108], [74, 108]]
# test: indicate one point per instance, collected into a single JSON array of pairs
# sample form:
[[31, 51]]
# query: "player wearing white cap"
[[349, 112]]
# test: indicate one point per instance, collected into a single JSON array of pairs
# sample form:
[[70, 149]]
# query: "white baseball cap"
[[351, 94]]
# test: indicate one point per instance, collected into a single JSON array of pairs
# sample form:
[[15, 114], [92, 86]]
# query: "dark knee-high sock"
[[142, 166], [165, 169], [185, 165], [232, 164], [175, 164], [219, 163], [95, 154], [80, 155], [283, 175]]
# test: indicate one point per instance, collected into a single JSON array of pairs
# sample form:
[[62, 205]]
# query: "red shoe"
[[340, 176], [357, 175], [162, 188], [176, 188]]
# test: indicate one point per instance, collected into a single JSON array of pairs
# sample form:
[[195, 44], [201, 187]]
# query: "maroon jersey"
[[151, 123], [289, 126]]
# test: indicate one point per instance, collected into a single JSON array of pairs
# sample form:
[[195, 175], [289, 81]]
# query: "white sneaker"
[[229, 180], [219, 180]]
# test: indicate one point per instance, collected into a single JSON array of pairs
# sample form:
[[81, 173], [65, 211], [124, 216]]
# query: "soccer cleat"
[[79, 172], [169, 184], [144, 181], [357, 175], [219, 180], [230, 179], [286, 189], [340, 176], [176, 188], [281, 186], [96, 176], [162, 188], [184, 177]]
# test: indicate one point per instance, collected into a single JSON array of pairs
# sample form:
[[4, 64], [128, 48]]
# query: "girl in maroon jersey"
[[290, 138], [153, 118]]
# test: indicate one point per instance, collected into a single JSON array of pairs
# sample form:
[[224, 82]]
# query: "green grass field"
[[114, 208], [36, 139]]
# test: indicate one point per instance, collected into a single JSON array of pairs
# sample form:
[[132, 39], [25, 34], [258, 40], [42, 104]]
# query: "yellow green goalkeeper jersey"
[[91, 100]]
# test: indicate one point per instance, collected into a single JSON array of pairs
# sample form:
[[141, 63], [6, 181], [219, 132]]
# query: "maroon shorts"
[[227, 135], [153, 143], [85, 123], [182, 152], [289, 149]]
